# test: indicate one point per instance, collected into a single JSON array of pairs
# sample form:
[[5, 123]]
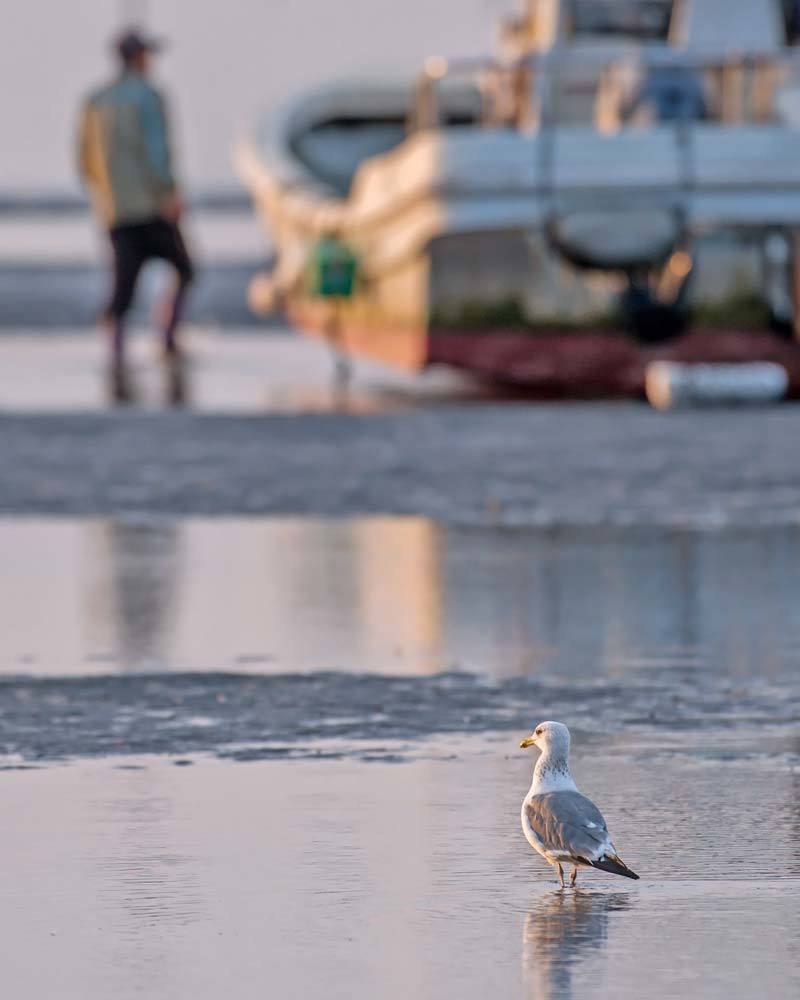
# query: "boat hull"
[[576, 364], [602, 363]]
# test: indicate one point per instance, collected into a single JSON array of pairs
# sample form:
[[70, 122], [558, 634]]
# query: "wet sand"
[[373, 879], [232, 371], [394, 445], [274, 827], [302, 638], [278, 756]]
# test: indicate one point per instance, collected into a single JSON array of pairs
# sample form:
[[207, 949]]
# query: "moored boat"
[[620, 185]]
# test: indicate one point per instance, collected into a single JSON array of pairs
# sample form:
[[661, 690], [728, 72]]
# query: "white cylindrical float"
[[669, 384]]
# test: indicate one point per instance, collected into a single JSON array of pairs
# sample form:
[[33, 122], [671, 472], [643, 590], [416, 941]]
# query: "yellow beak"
[[529, 741]]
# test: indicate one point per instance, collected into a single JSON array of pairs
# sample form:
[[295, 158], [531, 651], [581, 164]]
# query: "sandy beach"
[[278, 626], [267, 657], [262, 431]]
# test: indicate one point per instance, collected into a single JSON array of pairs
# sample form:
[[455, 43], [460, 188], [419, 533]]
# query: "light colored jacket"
[[124, 151]]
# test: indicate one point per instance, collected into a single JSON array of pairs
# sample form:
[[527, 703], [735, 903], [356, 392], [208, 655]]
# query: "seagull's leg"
[[560, 873], [573, 877]]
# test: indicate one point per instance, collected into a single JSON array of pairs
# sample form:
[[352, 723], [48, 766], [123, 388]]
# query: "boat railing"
[[536, 94], [529, 92]]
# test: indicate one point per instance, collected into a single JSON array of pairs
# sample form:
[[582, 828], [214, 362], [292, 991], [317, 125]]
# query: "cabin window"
[[644, 20]]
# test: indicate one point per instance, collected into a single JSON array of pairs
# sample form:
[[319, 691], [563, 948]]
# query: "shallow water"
[[280, 757], [229, 370], [389, 880], [395, 596], [299, 638]]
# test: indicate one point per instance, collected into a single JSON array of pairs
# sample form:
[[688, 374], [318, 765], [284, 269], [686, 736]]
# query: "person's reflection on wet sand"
[[122, 389], [176, 382], [559, 933], [120, 386]]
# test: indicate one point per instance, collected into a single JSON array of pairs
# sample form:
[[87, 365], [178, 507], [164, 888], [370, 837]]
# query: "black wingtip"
[[615, 866]]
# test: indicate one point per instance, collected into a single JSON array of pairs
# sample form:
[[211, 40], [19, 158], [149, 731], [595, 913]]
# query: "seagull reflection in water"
[[563, 930]]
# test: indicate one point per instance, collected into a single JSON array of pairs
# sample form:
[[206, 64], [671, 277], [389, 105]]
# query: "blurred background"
[[484, 413], [226, 66]]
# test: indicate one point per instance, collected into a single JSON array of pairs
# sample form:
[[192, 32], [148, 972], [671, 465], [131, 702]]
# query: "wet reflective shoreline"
[[226, 370], [286, 639], [283, 753], [394, 596], [379, 880]]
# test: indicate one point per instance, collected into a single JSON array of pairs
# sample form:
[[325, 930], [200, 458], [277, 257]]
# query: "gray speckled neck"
[[552, 774]]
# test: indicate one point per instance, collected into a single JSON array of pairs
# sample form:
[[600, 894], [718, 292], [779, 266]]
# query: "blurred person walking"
[[125, 161]]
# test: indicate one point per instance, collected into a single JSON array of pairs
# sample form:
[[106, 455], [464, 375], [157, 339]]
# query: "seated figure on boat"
[[668, 94]]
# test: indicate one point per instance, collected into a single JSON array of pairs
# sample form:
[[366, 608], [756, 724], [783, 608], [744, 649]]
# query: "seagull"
[[559, 822]]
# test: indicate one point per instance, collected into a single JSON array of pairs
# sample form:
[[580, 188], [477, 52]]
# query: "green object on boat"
[[333, 268]]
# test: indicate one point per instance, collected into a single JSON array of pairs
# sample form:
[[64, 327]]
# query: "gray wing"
[[568, 823]]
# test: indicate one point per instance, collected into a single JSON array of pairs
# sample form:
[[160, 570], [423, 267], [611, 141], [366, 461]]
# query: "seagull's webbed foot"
[[560, 873], [574, 876]]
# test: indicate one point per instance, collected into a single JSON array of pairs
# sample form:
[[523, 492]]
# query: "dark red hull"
[[600, 363]]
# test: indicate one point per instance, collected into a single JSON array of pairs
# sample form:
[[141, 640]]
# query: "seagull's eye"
[[538, 732]]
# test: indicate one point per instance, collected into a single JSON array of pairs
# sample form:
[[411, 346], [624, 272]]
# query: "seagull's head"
[[549, 737]]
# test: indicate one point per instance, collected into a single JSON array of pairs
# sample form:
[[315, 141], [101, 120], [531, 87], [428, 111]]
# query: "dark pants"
[[133, 245]]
